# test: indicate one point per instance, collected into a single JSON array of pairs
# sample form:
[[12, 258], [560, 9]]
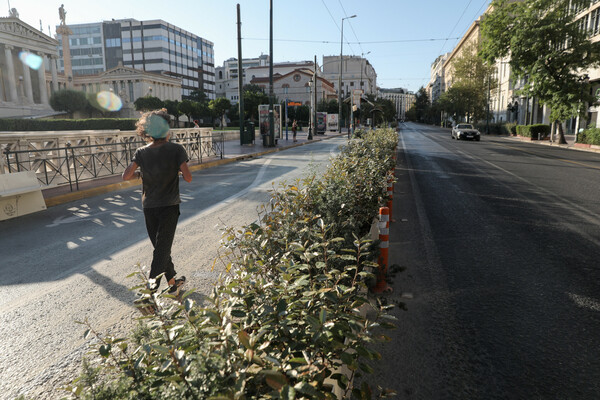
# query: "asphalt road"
[[70, 262], [501, 241]]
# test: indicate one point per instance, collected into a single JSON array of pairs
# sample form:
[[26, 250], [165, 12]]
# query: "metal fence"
[[71, 165]]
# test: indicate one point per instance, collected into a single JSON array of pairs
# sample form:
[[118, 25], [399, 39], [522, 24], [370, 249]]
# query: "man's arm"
[[130, 172], [185, 171]]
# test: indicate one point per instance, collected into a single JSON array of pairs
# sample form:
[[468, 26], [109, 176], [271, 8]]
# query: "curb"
[[87, 193]]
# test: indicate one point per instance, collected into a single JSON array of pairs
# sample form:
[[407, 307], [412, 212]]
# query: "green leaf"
[[165, 365], [238, 313], [244, 339], [313, 322], [275, 379], [323, 315], [306, 388], [366, 368], [287, 393], [105, 350], [347, 358]]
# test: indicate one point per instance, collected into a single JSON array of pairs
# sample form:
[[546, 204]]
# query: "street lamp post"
[[361, 67], [340, 78], [361, 76]]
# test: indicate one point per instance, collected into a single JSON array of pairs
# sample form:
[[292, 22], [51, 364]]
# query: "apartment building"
[[150, 46], [402, 98], [357, 73]]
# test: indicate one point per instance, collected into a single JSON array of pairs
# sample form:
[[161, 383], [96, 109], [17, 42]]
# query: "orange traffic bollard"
[[384, 236]]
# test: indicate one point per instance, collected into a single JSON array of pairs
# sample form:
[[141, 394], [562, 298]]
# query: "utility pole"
[[487, 128], [240, 76], [315, 108], [271, 119]]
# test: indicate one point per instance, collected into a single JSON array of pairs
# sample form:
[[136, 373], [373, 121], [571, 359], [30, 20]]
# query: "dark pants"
[[161, 223]]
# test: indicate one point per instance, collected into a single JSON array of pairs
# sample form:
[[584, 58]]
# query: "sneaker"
[[174, 289]]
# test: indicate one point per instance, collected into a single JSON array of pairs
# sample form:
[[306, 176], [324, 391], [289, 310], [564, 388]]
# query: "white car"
[[465, 131]]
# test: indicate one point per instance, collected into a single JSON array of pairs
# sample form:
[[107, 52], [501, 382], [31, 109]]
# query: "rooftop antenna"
[[41, 28], [8, 7]]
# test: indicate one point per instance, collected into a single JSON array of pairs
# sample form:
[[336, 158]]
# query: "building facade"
[[25, 90], [357, 73], [437, 84], [298, 86], [152, 46], [402, 98], [226, 76]]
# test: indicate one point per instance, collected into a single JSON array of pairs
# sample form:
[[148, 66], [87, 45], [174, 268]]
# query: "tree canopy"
[[548, 50], [69, 101], [468, 95], [148, 103], [219, 107]]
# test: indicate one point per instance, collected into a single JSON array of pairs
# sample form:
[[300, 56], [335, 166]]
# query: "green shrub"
[[284, 316], [123, 124], [532, 131], [589, 136]]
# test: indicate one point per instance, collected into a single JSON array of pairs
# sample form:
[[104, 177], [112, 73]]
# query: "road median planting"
[[284, 318]]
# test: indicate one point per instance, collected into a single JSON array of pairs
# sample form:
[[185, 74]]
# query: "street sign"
[[294, 103]]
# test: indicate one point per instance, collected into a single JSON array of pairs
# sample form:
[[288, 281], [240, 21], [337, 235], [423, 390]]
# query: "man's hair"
[[140, 125]]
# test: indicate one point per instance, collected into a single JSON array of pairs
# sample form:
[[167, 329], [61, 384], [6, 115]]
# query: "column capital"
[[8, 47]]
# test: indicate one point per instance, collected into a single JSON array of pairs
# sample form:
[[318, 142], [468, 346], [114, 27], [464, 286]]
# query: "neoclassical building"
[[25, 91]]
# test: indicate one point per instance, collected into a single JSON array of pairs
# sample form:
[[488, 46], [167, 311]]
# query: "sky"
[[400, 38]]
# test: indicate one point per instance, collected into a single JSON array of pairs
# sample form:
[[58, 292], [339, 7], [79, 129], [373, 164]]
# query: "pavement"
[[233, 151]]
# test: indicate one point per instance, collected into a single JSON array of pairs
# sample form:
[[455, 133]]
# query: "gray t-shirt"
[[160, 173]]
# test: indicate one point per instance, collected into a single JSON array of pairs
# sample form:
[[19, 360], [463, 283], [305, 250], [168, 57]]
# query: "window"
[[116, 42]]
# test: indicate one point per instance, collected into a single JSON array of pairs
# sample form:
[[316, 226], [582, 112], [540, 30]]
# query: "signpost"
[[332, 122]]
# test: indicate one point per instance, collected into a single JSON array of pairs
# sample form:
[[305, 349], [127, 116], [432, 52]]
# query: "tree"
[[186, 107], [69, 101], [198, 96], [172, 107], [219, 107], [253, 97], [547, 49], [148, 103], [471, 75], [421, 105]]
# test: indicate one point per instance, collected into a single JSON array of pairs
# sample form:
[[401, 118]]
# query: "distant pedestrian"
[[196, 124], [294, 129], [160, 163]]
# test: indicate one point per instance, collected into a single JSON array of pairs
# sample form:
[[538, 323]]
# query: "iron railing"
[[71, 165]]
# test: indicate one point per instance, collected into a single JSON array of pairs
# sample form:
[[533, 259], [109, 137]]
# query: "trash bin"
[[247, 133], [267, 140]]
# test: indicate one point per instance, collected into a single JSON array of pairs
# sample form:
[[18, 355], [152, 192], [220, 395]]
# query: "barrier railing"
[[71, 165]]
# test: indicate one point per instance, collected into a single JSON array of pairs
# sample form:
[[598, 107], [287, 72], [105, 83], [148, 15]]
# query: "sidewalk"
[[571, 145], [232, 152]]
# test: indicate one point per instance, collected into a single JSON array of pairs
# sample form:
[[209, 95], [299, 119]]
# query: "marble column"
[[12, 83], [53, 60], [27, 81], [42, 80]]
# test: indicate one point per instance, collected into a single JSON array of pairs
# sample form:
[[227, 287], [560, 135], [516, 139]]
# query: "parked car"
[[465, 131]]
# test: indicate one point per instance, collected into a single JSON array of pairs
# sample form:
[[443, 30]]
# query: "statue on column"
[[62, 14], [13, 13]]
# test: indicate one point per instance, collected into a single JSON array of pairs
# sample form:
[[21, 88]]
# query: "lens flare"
[[109, 101], [31, 60]]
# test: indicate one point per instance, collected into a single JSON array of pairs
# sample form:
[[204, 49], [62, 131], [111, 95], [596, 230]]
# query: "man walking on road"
[[160, 163]]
